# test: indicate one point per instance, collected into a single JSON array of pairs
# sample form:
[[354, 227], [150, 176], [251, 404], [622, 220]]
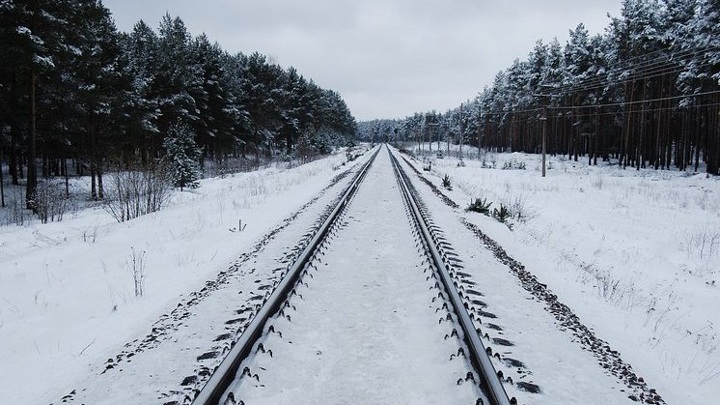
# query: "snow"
[[635, 254], [66, 288], [363, 327]]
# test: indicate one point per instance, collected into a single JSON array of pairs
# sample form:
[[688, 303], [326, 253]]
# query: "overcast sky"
[[388, 59]]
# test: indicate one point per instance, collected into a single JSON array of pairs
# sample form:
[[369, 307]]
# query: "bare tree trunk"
[[67, 178], [2, 180], [14, 161], [31, 189], [699, 130], [101, 191], [93, 187]]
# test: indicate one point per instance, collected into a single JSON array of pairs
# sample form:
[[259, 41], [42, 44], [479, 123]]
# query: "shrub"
[[480, 206], [446, 182], [17, 213], [50, 202], [350, 156], [132, 193], [501, 214], [514, 164], [519, 209]]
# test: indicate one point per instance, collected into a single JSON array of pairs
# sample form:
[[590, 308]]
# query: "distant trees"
[[78, 96], [646, 92]]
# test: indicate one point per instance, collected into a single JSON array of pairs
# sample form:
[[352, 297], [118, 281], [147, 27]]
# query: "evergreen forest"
[[645, 94], [78, 97]]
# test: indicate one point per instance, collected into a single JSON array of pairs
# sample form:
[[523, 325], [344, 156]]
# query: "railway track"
[[372, 311]]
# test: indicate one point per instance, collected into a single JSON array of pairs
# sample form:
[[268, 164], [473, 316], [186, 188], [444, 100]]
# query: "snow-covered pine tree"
[[38, 41], [182, 156], [139, 101]]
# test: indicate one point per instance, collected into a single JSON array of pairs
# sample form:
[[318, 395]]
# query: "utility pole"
[[543, 97], [421, 134], [448, 132], [439, 132], [461, 130]]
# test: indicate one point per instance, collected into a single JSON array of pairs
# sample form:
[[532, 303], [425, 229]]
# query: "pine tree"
[[138, 71], [177, 77], [41, 32], [182, 156], [215, 124], [94, 75]]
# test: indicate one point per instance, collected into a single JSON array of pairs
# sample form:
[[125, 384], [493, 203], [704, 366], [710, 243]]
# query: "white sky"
[[387, 59]]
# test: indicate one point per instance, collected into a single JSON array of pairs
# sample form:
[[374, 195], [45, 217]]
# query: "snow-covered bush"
[[50, 202], [480, 206], [519, 208], [703, 244], [16, 213], [502, 214], [132, 193], [446, 182], [514, 164], [304, 149]]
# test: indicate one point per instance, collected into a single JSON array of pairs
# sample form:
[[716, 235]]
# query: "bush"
[[481, 206], [489, 162], [501, 214], [17, 213], [514, 164], [304, 149], [519, 209], [50, 202], [446, 182], [132, 193]]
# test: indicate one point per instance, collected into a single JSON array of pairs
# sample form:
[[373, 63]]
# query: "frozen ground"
[[366, 329], [67, 297], [635, 254]]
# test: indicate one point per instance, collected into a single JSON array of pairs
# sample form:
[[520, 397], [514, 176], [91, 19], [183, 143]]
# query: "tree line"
[[646, 93], [77, 95]]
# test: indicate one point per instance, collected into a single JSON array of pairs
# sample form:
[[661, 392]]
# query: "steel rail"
[[225, 374], [493, 388]]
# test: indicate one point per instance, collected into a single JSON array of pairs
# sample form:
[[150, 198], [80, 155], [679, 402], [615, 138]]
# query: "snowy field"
[[636, 254], [67, 291]]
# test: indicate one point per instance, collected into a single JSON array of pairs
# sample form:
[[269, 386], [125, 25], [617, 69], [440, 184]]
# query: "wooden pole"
[[461, 130]]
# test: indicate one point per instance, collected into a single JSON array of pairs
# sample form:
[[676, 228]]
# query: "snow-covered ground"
[[635, 254], [366, 329], [67, 292]]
